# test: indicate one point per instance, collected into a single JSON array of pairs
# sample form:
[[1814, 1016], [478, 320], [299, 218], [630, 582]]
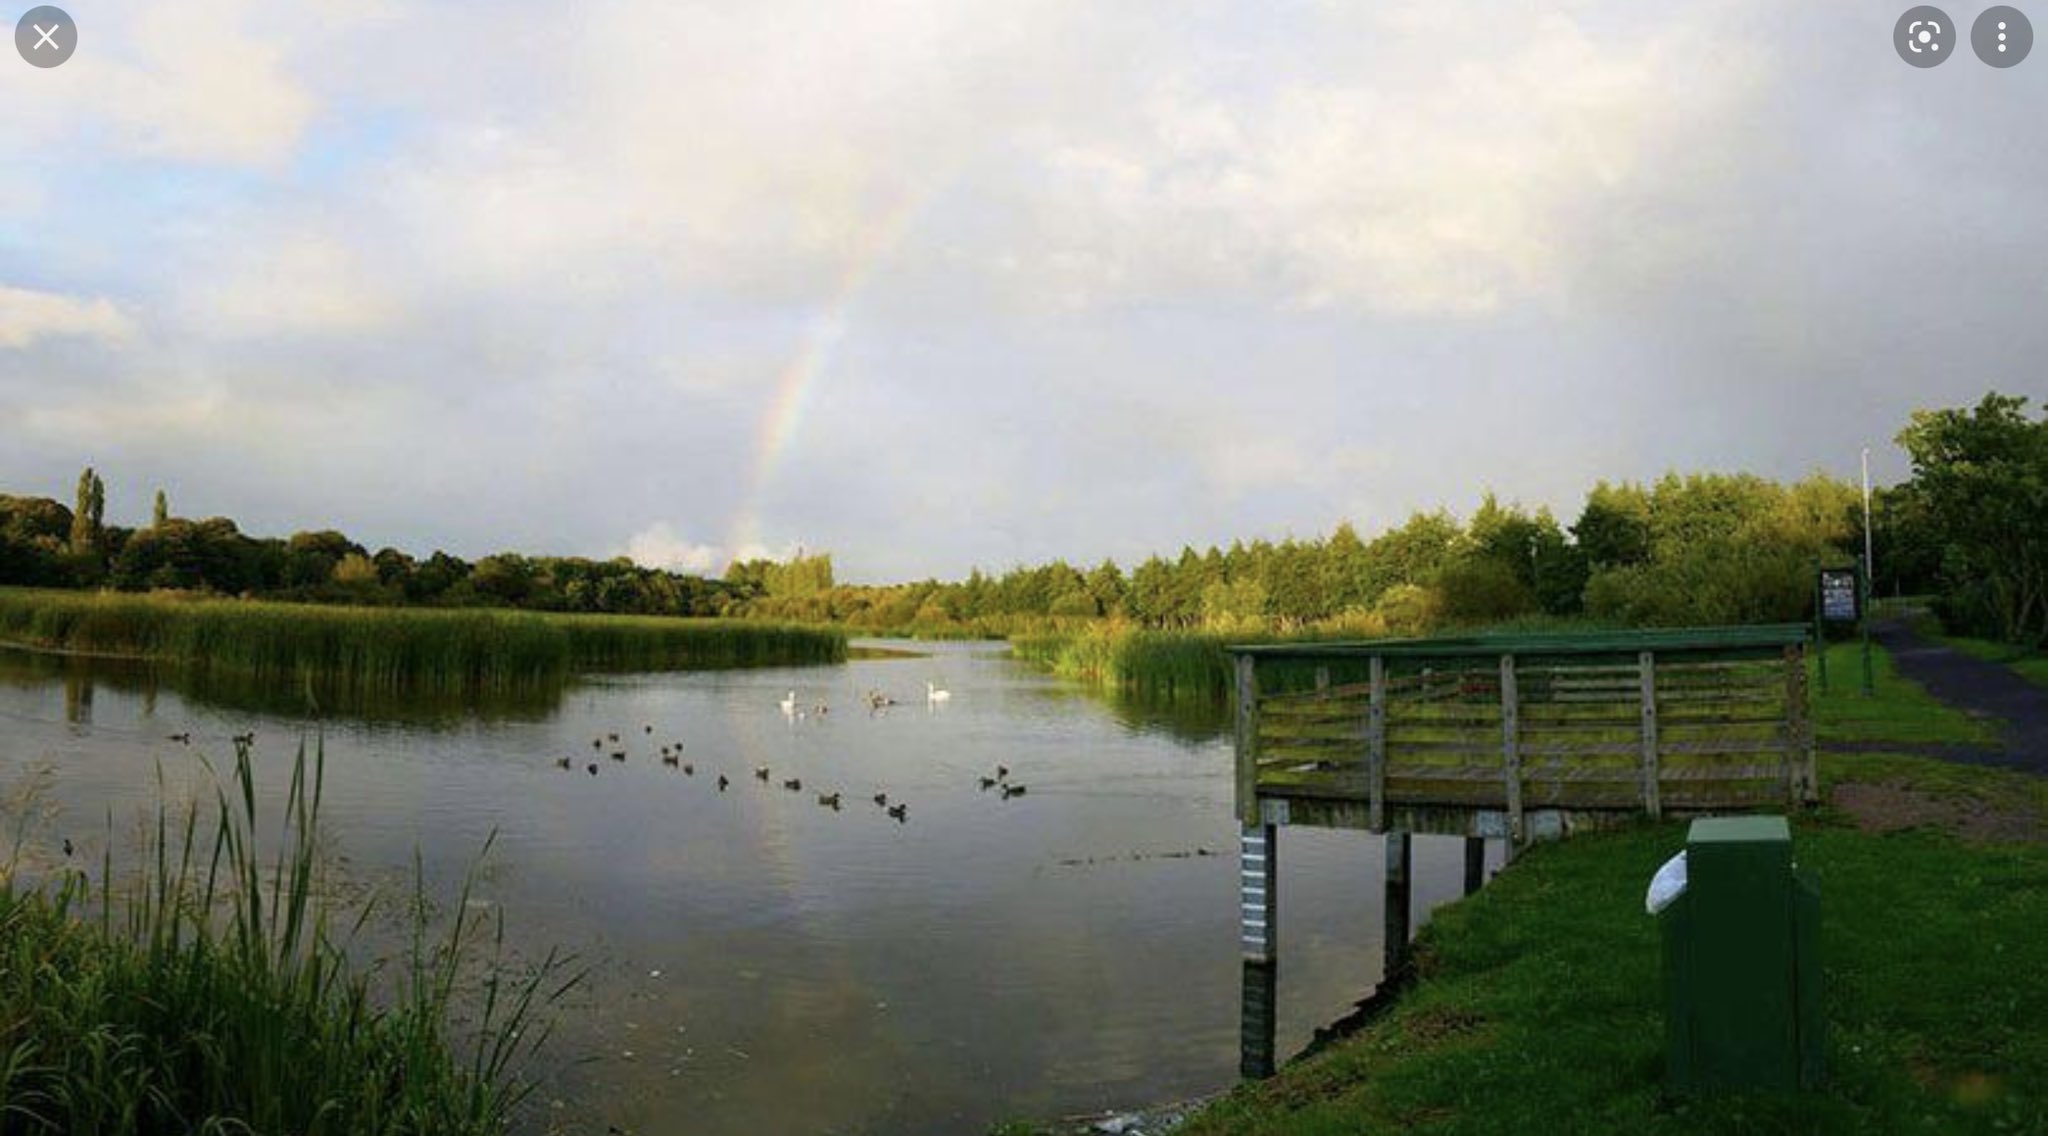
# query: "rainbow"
[[783, 418]]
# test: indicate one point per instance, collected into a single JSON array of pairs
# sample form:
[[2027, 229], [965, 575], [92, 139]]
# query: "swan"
[[789, 704], [932, 693]]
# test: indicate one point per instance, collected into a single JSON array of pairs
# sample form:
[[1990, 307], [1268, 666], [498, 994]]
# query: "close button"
[[46, 37]]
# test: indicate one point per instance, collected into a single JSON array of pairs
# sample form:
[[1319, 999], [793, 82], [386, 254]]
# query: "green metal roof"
[[1665, 639]]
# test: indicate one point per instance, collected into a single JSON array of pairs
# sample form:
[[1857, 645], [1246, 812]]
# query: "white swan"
[[789, 704], [932, 693]]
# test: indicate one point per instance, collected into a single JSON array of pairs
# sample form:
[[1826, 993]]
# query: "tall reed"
[[211, 993], [368, 651]]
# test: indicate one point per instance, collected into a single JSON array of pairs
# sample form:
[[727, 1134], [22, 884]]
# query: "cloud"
[[659, 545], [206, 81], [27, 316], [1105, 278]]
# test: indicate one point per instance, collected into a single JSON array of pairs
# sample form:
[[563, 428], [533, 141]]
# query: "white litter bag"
[[1668, 884]]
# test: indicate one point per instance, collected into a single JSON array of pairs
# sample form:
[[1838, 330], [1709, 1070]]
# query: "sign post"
[[1840, 595]]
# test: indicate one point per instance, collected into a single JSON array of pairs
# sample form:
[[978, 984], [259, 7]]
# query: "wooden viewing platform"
[[1513, 737]]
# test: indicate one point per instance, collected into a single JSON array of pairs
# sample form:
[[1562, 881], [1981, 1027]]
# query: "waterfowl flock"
[[671, 755]]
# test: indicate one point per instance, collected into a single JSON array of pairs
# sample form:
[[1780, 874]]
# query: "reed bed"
[[1168, 664], [211, 991], [362, 651], [1153, 664]]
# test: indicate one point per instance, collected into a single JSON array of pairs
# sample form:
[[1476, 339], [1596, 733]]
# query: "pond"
[[761, 962]]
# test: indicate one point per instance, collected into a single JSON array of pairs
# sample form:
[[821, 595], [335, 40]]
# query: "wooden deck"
[[1414, 734], [1499, 737]]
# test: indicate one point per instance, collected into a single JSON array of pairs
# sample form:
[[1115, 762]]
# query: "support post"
[[1376, 747], [1802, 783], [1258, 885], [1653, 803], [1820, 625], [1397, 897], [1258, 1015], [1247, 741], [1475, 863], [1511, 749]]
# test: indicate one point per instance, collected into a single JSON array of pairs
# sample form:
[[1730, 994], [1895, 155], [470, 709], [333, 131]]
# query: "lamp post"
[[1869, 580]]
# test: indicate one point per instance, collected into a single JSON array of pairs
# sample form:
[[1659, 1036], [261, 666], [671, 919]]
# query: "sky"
[[934, 284]]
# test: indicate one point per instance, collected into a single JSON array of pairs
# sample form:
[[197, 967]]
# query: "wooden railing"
[[1696, 720]]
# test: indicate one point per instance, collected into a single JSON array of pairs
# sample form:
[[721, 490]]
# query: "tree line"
[[1970, 526], [43, 543]]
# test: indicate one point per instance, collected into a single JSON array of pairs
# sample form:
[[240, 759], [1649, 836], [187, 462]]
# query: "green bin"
[[1742, 961]]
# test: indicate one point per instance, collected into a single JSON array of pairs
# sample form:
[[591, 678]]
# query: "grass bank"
[[373, 650], [209, 990], [1537, 1003], [1899, 710]]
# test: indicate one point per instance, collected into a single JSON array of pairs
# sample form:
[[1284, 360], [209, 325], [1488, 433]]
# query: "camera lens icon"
[[1924, 36], [2002, 36]]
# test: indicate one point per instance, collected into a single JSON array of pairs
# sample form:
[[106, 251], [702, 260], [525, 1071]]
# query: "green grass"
[[1537, 1006], [361, 652], [1901, 711], [210, 990]]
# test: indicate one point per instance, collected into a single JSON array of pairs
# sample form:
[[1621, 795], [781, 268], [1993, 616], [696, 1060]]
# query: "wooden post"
[[1376, 748], [1398, 891], [1802, 784], [1258, 1015], [1247, 741], [1475, 863], [1258, 886], [1646, 663], [1511, 748]]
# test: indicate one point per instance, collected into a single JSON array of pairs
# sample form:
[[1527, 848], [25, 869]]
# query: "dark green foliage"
[[1978, 507]]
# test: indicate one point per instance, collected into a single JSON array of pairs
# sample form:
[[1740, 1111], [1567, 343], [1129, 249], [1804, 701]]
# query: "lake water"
[[764, 964]]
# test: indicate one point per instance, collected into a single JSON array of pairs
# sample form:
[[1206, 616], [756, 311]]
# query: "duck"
[[668, 758], [988, 783], [68, 849], [821, 710], [722, 782], [597, 743], [761, 772], [794, 784], [1012, 791], [182, 739], [648, 729], [898, 811], [1002, 772], [592, 767], [689, 770], [788, 704], [882, 799], [829, 800], [612, 737], [618, 755], [247, 739], [561, 763], [932, 693]]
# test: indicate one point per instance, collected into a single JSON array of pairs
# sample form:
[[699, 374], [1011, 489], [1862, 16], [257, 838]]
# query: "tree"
[[86, 530], [1982, 474]]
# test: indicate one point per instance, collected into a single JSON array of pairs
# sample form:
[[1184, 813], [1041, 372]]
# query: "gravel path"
[[1977, 687]]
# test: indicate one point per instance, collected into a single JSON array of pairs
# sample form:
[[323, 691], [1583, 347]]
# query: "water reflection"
[[307, 700], [765, 964]]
